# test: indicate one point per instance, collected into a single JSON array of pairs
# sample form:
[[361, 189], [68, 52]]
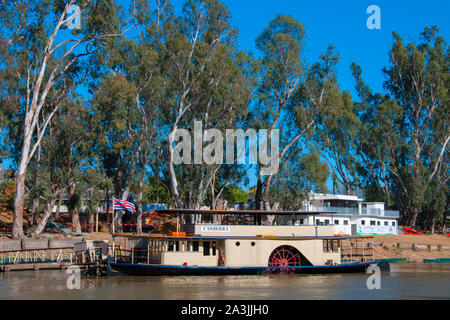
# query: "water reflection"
[[405, 282]]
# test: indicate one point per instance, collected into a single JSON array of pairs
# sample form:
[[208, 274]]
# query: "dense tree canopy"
[[90, 111]]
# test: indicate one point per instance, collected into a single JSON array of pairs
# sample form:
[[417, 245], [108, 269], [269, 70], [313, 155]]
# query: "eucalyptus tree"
[[410, 146], [32, 31], [335, 137], [290, 94], [65, 153], [206, 82], [127, 105]]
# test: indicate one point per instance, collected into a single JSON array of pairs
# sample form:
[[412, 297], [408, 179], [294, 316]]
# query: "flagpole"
[[114, 216]]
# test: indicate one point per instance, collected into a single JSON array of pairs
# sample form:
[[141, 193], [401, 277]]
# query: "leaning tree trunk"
[[44, 220]]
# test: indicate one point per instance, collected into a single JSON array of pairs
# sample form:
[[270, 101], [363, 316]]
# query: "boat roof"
[[241, 212], [164, 237]]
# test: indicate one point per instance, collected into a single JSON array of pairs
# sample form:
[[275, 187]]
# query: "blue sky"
[[343, 24]]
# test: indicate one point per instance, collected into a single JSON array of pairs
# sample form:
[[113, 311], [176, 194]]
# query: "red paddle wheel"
[[283, 259]]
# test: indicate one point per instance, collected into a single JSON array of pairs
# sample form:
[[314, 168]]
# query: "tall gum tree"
[[32, 43]]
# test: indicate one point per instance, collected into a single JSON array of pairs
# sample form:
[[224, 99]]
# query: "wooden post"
[[364, 257], [113, 249], [114, 221], [315, 224], [148, 251]]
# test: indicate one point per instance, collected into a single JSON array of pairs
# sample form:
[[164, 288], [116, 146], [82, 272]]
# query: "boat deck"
[[166, 237]]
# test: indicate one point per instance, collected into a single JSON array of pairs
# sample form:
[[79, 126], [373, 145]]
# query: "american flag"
[[124, 205]]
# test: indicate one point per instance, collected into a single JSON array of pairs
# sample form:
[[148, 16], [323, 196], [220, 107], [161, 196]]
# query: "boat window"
[[238, 243], [253, 243], [363, 222], [325, 246], [336, 222], [346, 222], [331, 245], [194, 245], [386, 223], [327, 222], [393, 223], [213, 248], [188, 246], [372, 222], [206, 247], [170, 246], [177, 245], [378, 223]]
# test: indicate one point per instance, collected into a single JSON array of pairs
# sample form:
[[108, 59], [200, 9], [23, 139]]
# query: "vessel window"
[[213, 248], [253, 243], [194, 245], [302, 221], [238, 243], [336, 222], [330, 245], [393, 223], [206, 247], [378, 223], [170, 246], [372, 223], [386, 223], [327, 222], [188, 246], [346, 222], [363, 222], [177, 245]]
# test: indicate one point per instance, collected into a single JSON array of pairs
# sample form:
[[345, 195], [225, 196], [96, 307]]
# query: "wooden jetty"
[[47, 254]]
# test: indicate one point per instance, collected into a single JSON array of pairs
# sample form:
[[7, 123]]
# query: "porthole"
[[253, 243], [238, 243]]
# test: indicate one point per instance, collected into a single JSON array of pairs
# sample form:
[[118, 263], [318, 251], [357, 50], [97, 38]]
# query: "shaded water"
[[421, 281]]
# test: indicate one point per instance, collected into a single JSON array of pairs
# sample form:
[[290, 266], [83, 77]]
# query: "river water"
[[405, 281]]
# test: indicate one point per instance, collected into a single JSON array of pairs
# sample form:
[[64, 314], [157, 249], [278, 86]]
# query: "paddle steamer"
[[219, 242]]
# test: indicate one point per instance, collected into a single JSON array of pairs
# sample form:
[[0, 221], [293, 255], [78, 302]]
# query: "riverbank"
[[431, 247]]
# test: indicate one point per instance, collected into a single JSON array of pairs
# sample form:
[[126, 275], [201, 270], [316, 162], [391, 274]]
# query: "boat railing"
[[137, 255], [356, 250]]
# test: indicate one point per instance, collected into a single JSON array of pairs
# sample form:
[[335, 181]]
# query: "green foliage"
[[8, 192], [155, 192], [403, 136], [297, 179], [235, 194]]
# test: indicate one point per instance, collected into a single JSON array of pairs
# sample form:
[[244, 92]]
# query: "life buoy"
[[222, 259]]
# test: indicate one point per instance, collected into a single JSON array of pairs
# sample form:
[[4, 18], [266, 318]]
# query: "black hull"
[[161, 270]]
